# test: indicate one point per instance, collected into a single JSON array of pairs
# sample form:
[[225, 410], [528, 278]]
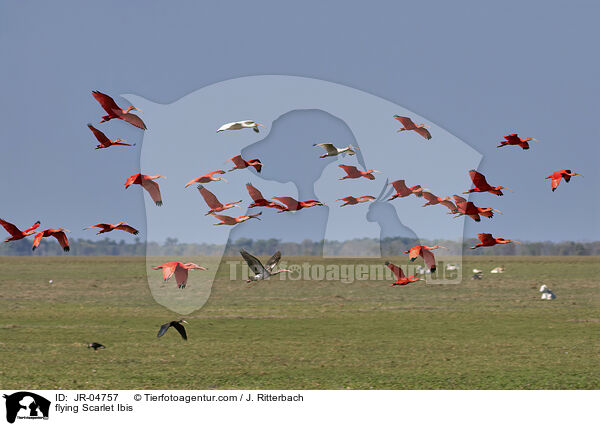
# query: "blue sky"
[[478, 71]]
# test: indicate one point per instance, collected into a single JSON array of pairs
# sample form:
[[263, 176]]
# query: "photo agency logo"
[[26, 406], [285, 159]]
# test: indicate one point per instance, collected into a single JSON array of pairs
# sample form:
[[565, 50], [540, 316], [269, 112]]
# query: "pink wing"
[[429, 259], [239, 161], [429, 196], [406, 122], [414, 252], [10, 228], [128, 228], [398, 272], [181, 276], [228, 220], [349, 169], [61, 237], [194, 266], [255, 194], [32, 227], [423, 132], [108, 104], [167, 269], [101, 137], [154, 191], [288, 201], [134, 120], [37, 239], [209, 198]]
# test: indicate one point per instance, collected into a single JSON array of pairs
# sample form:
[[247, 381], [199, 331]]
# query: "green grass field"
[[490, 334]]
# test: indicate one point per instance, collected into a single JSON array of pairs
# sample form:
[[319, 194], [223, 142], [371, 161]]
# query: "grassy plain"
[[490, 334]]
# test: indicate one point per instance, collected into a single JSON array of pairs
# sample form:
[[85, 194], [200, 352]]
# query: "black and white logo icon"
[[26, 405]]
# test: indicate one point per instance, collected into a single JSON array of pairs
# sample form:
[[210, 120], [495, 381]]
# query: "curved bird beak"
[[497, 211], [224, 180], [258, 124], [137, 109], [508, 189], [184, 321], [577, 174]]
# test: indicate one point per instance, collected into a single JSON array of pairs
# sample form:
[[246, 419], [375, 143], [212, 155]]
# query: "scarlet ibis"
[[262, 272], [350, 201], [294, 205], [487, 241], [107, 227], [177, 325], [333, 151], [104, 141], [95, 346], [234, 220], [16, 233], [410, 125], [240, 163], [560, 174], [433, 199], [148, 184], [212, 201], [426, 253], [353, 173], [258, 200], [114, 111], [59, 234], [514, 139], [481, 184], [467, 208], [180, 270], [450, 205], [401, 279], [404, 191], [238, 125], [207, 178]]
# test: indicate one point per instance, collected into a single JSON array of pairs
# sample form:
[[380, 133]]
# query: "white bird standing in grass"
[[239, 125], [547, 294], [333, 151]]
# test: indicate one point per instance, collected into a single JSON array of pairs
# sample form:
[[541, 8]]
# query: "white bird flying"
[[332, 150], [238, 125]]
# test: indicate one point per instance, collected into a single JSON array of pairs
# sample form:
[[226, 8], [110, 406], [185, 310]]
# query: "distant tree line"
[[350, 248]]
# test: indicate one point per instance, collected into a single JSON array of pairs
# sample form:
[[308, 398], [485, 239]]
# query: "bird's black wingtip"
[[256, 130], [159, 203], [37, 223], [387, 263], [136, 232], [433, 269], [67, 249]]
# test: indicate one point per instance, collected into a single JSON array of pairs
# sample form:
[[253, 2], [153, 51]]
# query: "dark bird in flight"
[[262, 272], [176, 325]]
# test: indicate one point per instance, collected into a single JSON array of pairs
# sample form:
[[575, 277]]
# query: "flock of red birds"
[[457, 206]]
